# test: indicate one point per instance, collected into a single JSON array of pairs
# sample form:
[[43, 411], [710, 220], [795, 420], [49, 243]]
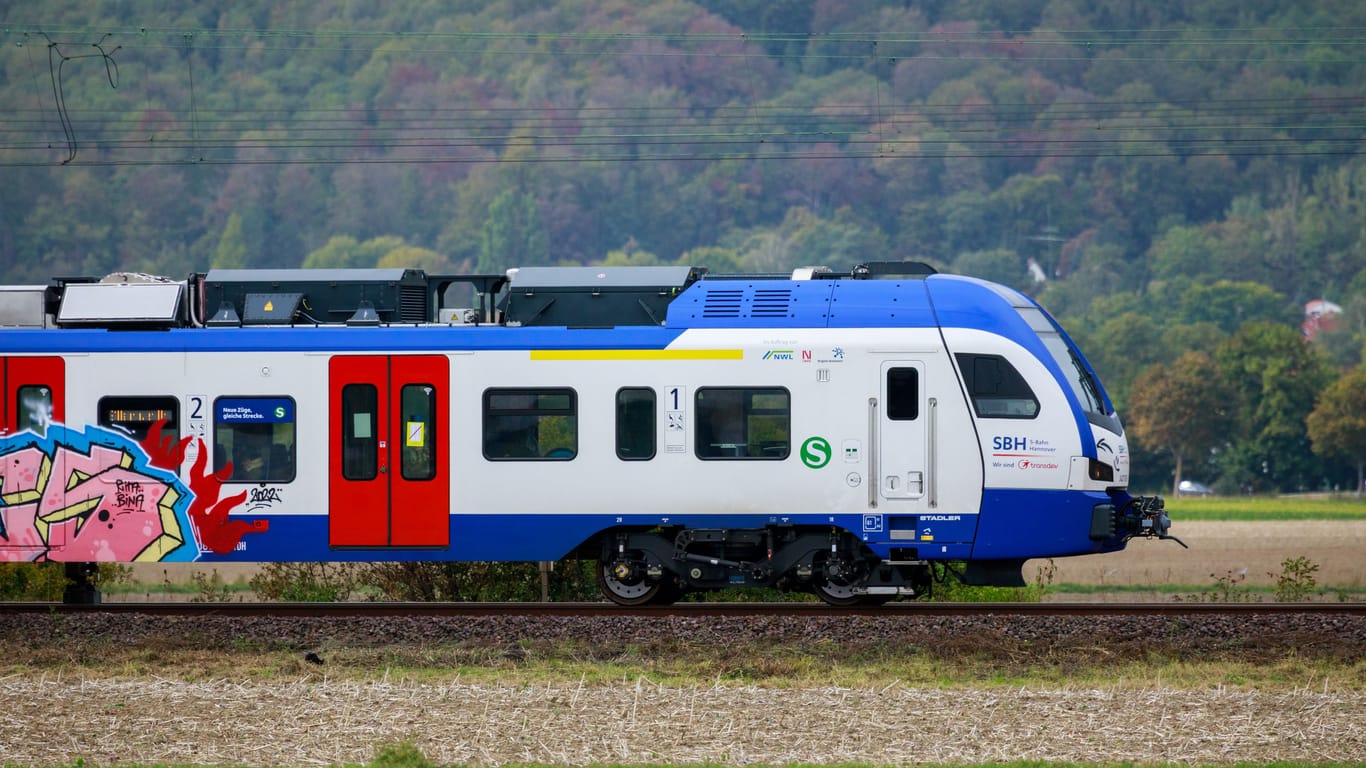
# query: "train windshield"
[[1074, 369]]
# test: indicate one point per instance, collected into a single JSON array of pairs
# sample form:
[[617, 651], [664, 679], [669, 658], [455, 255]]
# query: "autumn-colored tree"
[[1337, 425], [1185, 407]]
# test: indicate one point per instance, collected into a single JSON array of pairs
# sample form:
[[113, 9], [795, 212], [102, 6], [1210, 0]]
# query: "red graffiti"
[[217, 532]]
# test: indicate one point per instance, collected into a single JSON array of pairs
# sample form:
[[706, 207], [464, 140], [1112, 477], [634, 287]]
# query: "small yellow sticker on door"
[[417, 434]]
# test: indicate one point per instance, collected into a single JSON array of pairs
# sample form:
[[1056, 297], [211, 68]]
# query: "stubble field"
[[158, 706], [1251, 553]]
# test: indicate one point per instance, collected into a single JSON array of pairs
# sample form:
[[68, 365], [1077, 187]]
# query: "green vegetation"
[[1265, 508], [46, 581]]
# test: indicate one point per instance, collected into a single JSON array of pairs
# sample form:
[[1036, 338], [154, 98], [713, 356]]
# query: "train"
[[844, 433]]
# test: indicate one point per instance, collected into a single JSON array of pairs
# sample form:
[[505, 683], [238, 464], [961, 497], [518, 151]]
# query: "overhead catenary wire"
[[1235, 127]]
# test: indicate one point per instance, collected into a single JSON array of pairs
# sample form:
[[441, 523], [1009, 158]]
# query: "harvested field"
[[1253, 549], [318, 722]]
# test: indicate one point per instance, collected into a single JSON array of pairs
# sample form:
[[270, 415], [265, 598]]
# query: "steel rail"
[[905, 609]]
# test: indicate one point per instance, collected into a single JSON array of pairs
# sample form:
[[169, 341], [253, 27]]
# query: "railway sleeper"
[[658, 566]]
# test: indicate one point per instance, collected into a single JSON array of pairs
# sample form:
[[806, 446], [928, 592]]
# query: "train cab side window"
[[35, 408], [530, 424], [136, 415], [360, 432], [635, 423], [419, 435], [903, 394], [743, 423], [255, 434], [997, 390]]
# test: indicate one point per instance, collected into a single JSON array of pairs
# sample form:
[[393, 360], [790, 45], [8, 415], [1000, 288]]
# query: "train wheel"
[[669, 592], [625, 585], [841, 595]]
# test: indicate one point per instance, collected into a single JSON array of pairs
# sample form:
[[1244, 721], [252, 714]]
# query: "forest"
[[1175, 182]]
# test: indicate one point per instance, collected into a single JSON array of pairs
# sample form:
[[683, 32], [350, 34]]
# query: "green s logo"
[[816, 452]]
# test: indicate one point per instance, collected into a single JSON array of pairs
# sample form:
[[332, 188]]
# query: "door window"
[[35, 408], [360, 432], [418, 402]]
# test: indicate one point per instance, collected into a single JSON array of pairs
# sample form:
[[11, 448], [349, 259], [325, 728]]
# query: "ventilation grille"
[[723, 303], [769, 303], [412, 304]]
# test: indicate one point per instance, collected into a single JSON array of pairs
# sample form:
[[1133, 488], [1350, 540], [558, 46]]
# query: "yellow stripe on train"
[[637, 354]]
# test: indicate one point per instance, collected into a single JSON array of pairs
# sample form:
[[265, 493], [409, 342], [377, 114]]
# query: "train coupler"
[[1146, 516]]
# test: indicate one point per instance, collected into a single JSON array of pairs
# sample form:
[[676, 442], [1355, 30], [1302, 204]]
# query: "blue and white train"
[[832, 432]]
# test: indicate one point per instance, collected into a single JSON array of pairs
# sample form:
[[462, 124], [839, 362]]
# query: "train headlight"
[[1100, 471]]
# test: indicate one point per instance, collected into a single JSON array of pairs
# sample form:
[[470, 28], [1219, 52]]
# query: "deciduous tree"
[[1337, 425], [1185, 407]]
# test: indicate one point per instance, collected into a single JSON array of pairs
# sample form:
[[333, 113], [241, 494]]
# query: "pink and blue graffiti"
[[98, 496]]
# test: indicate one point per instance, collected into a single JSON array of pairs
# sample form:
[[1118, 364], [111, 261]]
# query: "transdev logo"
[[780, 354]]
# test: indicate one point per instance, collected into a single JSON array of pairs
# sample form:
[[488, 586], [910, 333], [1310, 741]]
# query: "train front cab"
[[1056, 463]]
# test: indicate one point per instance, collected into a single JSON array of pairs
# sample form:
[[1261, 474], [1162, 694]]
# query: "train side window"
[[360, 427], [635, 423], [903, 394], [136, 415], [257, 435], [743, 423], [536, 424], [35, 408], [419, 437], [997, 390]]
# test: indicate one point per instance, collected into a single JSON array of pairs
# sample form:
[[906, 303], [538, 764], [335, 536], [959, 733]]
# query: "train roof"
[[672, 299]]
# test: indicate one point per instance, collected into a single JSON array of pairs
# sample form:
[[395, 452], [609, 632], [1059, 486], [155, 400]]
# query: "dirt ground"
[[1253, 550], [70, 720]]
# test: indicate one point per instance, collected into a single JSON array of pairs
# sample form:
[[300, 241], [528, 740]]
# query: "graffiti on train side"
[[97, 495]]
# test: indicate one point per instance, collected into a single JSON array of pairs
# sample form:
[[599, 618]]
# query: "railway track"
[[907, 609]]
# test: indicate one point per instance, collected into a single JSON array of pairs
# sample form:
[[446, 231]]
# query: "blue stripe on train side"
[[332, 339], [483, 537], [1014, 523]]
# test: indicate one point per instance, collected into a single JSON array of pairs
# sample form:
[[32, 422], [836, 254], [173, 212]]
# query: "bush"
[[1296, 581], [44, 582], [307, 582], [47, 582], [567, 581]]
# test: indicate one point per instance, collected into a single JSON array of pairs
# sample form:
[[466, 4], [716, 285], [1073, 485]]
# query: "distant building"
[[1320, 315]]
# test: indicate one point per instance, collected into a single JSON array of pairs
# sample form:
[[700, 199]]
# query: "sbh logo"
[[1008, 443]]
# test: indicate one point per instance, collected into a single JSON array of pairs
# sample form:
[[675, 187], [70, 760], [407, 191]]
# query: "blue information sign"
[[253, 410]]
